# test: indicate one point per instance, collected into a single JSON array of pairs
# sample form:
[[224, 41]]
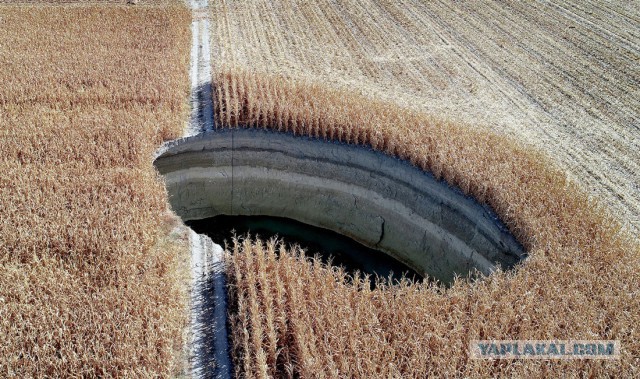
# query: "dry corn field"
[[562, 77], [91, 279], [529, 107], [580, 280]]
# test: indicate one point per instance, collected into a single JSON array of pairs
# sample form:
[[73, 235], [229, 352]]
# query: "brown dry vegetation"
[[296, 317], [90, 283], [561, 77], [90, 278], [82, 3], [581, 280]]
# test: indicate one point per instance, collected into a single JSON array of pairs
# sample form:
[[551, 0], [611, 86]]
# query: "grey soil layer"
[[380, 201]]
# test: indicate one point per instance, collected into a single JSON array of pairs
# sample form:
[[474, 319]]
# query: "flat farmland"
[[531, 108], [561, 77], [91, 280]]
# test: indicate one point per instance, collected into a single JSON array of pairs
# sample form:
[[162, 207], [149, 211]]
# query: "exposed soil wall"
[[380, 201]]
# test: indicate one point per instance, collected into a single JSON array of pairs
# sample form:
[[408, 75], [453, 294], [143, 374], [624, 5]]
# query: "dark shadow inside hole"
[[328, 245]]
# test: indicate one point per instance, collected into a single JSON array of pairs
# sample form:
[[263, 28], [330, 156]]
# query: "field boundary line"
[[209, 349]]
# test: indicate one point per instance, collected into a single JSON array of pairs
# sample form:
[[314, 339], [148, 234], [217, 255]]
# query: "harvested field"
[[92, 276], [541, 125], [84, 3], [531, 108], [560, 77]]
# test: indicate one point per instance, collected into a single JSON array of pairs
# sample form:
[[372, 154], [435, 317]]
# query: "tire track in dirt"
[[208, 348]]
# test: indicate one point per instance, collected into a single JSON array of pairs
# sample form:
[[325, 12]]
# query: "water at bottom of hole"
[[327, 244]]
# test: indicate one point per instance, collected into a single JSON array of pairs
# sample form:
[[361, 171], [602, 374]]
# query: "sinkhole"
[[329, 246], [379, 202]]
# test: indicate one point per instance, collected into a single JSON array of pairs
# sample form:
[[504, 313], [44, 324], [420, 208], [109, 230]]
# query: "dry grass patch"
[[91, 281], [294, 317]]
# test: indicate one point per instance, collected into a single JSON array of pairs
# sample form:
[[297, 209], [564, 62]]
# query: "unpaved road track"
[[208, 348], [562, 77], [200, 70]]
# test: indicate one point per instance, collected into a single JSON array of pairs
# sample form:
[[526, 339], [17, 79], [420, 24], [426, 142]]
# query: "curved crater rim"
[[379, 200]]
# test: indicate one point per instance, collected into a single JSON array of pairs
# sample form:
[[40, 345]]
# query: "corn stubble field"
[[560, 77], [531, 108]]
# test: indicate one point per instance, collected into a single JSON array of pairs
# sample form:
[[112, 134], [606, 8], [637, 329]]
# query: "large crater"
[[382, 202]]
